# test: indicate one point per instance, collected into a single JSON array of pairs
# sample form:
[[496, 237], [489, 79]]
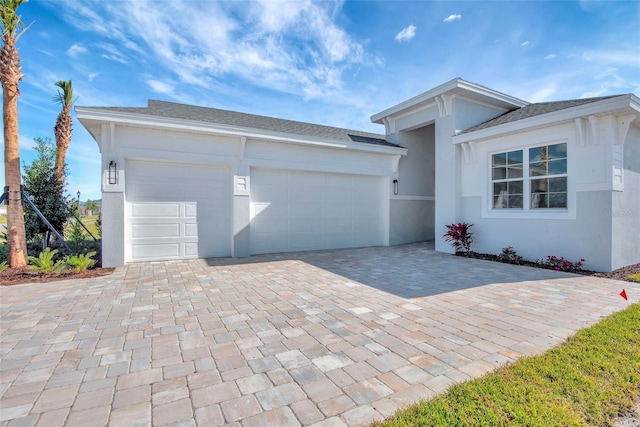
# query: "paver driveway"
[[328, 338]]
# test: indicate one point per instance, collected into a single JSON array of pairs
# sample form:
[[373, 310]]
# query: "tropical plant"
[[81, 262], [10, 76], [3, 266], [45, 191], [459, 236], [64, 125], [561, 264], [510, 255], [45, 262]]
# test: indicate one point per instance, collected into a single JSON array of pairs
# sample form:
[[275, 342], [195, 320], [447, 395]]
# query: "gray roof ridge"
[[354, 131], [536, 109]]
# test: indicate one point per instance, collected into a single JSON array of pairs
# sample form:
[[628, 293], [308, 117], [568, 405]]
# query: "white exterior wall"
[[584, 230], [625, 208], [123, 143], [412, 209]]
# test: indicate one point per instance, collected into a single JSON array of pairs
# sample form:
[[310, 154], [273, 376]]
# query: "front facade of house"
[[547, 179]]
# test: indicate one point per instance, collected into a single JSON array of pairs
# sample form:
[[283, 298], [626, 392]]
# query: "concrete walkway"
[[327, 338]]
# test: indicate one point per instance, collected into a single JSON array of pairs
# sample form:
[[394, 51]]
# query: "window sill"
[[546, 214]]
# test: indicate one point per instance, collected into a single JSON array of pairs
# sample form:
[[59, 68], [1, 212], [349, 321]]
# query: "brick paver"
[[329, 338]]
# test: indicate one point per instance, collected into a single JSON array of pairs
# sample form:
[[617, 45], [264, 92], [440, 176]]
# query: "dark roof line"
[[252, 121], [533, 110]]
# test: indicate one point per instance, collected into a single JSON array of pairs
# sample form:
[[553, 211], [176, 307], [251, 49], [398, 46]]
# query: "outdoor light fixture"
[[395, 187], [113, 170]]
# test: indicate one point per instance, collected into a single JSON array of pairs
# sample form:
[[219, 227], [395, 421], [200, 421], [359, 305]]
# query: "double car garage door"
[[178, 211]]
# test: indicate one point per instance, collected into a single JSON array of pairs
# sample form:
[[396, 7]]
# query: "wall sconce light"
[[395, 187], [113, 172]]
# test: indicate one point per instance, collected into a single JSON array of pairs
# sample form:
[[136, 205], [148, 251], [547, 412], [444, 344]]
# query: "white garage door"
[[177, 211], [295, 210]]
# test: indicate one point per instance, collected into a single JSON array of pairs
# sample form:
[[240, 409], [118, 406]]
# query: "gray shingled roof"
[[533, 110], [252, 121]]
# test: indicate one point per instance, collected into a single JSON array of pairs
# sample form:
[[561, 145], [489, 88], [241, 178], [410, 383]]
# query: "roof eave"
[[456, 86], [600, 107], [89, 114]]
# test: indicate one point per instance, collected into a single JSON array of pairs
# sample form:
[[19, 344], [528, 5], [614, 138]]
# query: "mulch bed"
[[619, 274], [16, 276]]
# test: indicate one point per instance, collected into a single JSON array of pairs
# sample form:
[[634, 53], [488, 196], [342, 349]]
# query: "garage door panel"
[[308, 211], [307, 226], [191, 230], [191, 250], [314, 210], [155, 210], [156, 251], [177, 211], [269, 212], [155, 230], [277, 227], [338, 225], [340, 211]]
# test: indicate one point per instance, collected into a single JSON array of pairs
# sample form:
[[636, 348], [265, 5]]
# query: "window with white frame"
[[507, 180], [540, 172]]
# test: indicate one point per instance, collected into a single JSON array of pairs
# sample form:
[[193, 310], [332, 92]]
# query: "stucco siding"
[[113, 251], [625, 207], [416, 171], [469, 114], [410, 221], [588, 236]]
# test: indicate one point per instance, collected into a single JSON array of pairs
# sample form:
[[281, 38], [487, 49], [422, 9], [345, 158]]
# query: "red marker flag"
[[623, 294]]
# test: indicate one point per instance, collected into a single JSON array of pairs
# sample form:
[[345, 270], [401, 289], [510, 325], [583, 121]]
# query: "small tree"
[[45, 190], [92, 206]]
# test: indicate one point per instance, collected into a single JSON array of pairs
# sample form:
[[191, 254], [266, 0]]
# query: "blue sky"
[[333, 63]]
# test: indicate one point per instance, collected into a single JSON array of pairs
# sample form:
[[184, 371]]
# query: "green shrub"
[[509, 255], [561, 264], [3, 251], [45, 262], [3, 266], [81, 262]]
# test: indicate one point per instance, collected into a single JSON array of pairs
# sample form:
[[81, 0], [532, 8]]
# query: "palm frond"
[[10, 20], [65, 96]]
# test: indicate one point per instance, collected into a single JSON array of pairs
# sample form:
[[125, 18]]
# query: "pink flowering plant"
[[561, 264], [459, 236]]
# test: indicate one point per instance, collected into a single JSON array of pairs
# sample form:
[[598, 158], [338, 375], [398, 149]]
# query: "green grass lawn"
[[88, 221], [587, 381]]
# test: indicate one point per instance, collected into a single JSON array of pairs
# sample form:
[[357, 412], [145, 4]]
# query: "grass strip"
[[587, 381]]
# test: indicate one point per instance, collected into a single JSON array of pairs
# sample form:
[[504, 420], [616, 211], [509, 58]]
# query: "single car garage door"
[[300, 210], [177, 211]]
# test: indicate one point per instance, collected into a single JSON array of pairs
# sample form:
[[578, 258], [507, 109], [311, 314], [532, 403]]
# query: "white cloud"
[[75, 50], [543, 94], [293, 47], [406, 34], [525, 43], [453, 17], [551, 56], [161, 87]]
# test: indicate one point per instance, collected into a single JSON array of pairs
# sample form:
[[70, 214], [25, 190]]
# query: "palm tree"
[[10, 76], [64, 125]]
